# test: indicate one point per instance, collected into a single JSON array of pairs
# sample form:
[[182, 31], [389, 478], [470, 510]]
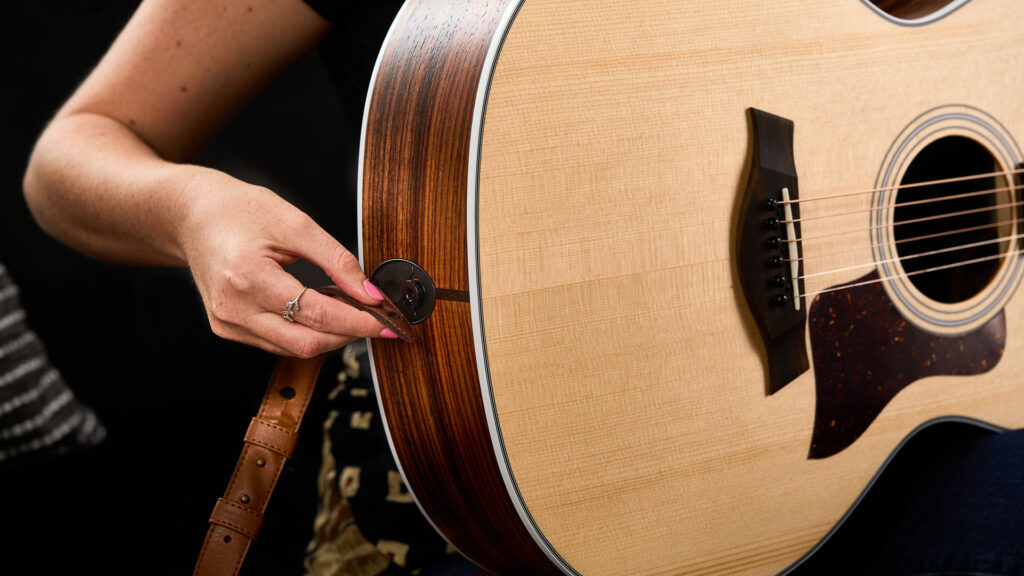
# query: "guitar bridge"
[[768, 249]]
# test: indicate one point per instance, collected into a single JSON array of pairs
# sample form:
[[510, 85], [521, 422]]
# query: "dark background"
[[134, 343]]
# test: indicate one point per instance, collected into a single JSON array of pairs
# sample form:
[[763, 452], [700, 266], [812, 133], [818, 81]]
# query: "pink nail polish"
[[387, 333], [372, 290]]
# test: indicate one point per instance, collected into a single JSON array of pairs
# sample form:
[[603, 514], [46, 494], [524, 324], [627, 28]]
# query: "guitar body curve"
[[589, 395]]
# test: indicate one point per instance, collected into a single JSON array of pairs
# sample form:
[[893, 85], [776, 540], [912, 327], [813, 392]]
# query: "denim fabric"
[[969, 515], [950, 503]]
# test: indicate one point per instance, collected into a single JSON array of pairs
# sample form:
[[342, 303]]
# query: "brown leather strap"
[[270, 440], [238, 516]]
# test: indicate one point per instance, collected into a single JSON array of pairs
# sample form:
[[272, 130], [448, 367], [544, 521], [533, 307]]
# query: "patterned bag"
[[367, 523]]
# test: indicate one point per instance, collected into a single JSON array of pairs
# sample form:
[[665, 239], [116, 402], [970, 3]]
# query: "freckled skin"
[[112, 177]]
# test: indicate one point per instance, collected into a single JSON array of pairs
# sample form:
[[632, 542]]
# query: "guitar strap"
[[269, 442], [238, 516]]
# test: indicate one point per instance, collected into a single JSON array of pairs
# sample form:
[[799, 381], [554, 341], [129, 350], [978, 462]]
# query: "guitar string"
[[913, 239], [899, 186], [917, 255], [1000, 240], [914, 273], [902, 204], [931, 218], [912, 221]]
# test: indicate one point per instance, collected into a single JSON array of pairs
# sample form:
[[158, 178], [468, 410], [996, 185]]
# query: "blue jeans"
[[950, 503]]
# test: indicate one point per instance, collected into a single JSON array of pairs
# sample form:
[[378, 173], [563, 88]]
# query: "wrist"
[[201, 198]]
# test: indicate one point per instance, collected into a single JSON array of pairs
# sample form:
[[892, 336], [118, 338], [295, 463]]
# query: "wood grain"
[[625, 373], [416, 154], [628, 378]]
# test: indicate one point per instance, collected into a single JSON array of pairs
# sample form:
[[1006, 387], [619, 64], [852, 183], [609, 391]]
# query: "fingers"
[[340, 265], [237, 251], [249, 307], [296, 339], [273, 288], [319, 323], [276, 335], [325, 314]]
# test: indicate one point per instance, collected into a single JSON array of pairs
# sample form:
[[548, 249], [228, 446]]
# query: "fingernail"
[[372, 290], [387, 333]]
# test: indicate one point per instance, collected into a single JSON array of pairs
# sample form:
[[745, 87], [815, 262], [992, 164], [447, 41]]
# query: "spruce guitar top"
[[695, 270]]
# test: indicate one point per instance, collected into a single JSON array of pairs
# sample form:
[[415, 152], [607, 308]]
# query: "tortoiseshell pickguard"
[[864, 352]]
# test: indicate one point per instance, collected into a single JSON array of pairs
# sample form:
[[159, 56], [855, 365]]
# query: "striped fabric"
[[39, 415]]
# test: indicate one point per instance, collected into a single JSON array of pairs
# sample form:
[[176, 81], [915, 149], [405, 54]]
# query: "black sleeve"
[[333, 10]]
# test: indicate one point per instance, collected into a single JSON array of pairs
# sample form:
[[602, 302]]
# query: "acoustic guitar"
[[685, 275]]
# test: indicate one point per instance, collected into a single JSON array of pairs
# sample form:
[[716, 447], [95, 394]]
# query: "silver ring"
[[292, 307]]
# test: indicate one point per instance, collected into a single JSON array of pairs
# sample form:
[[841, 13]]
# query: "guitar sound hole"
[[910, 9], [953, 237]]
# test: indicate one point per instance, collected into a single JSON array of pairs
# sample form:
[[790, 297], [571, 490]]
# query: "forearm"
[[96, 186], [103, 177], [108, 176]]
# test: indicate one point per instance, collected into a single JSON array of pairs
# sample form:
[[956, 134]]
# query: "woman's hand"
[[109, 175], [237, 238]]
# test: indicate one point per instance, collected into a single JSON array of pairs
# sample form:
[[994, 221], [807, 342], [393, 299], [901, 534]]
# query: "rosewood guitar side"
[[576, 169], [419, 124]]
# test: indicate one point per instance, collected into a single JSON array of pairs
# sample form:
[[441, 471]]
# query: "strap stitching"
[[274, 388], [245, 509], [270, 424], [276, 449], [285, 451], [237, 528]]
